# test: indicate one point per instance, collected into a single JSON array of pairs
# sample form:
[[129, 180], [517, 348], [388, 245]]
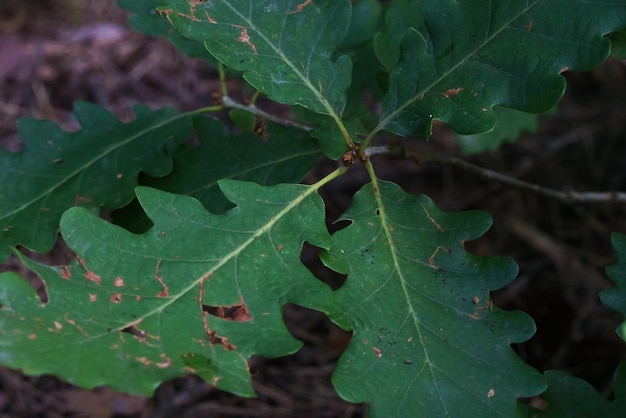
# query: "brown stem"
[[565, 196]]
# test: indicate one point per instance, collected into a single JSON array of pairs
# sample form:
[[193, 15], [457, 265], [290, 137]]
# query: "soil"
[[55, 52]]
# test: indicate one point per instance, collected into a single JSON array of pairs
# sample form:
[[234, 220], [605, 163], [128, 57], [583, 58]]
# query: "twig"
[[230, 103], [564, 196]]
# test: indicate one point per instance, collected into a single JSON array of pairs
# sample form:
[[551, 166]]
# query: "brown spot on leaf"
[[529, 26], [118, 282], [300, 7], [193, 4], [167, 13], [115, 298], [93, 297], [58, 325], [209, 18], [135, 332], [144, 361], [165, 363], [280, 247], [431, 259], [378, 352], [451, 92], [64, 271], [89, 275], [75, 325], [487, 306], [165, 292], [237, 312], [82, 199], [430, 218], [244, 37], [491, 393], [32, 336]]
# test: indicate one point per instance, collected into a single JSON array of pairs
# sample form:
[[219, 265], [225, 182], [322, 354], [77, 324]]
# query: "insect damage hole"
[[135, 332], [310, 257], [237, 312]]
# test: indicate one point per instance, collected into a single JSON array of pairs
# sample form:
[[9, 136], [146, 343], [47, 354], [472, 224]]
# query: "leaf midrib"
[[254, 236], [82, 168], [287, 61], [384, 221], [452, 69]]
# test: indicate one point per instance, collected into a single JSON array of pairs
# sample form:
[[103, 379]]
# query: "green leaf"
[[93, 167], [618, 44], [510, 124], [242, 119], [386, 51], [146, 19], [285, 155], [615, 298], [366, 17], [329, 135], [459, 59], [571, 397], [197, 290], [284, 47], [402, 15], [425, 335]]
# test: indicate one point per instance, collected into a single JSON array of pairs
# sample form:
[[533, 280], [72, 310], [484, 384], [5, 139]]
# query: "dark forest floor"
[[55, 52]]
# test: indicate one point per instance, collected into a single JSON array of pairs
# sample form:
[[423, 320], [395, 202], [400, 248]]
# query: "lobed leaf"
[[93, 167], [145, 18], [459, 59], [425, 335], [282, 155], [618, 44], [615, 298], [510, 124], [198, 292], [284, 47], [365, 19], [571, 397]]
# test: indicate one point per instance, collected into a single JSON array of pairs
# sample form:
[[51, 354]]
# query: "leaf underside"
[[426, 337], [93, 167], [197, 292]]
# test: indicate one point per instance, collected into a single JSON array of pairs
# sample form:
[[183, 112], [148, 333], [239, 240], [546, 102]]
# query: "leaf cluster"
[[192, 276]]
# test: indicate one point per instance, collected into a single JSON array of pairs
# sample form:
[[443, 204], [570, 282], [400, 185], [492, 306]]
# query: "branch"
[[230, 103], [421, 157]]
